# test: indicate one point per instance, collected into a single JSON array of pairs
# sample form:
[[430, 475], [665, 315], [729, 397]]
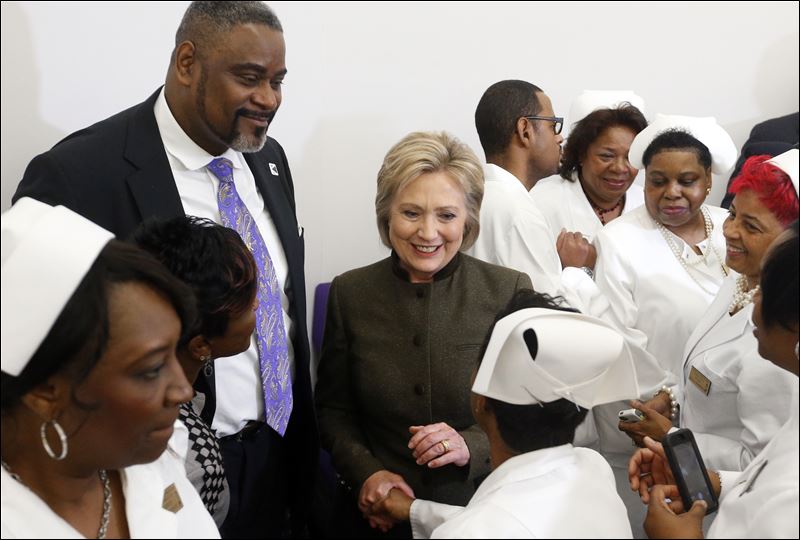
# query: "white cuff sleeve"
[[425, 516]]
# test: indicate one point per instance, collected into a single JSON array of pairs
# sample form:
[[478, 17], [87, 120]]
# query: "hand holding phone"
[[689, 470], [631, 415]]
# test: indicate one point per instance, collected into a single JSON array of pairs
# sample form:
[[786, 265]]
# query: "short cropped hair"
[[79, 336], [677, 139], [779, 283], [426, 152], [501, 105], [204, 22], [525, 428], [212, 259], [772, 186], [585, 132]]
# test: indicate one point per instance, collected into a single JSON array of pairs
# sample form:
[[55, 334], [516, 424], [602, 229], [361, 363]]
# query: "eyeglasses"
[[558, 122]]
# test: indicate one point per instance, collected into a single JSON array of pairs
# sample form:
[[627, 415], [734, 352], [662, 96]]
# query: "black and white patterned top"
[[204, 466]]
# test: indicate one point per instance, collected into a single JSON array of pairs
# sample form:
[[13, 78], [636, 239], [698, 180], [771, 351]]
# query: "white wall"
[[362, 75]]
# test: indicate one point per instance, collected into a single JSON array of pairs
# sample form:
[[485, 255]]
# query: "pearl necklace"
[[678, 251], [742, 297], [105, 518]]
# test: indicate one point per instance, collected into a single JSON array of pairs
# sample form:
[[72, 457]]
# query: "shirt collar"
[[180, 146], [524, 467], [495, 173]]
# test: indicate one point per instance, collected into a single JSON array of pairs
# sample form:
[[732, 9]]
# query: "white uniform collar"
[[180, 146], [523, 467], [495, 173]]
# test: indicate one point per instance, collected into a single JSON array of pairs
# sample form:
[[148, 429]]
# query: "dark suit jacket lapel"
[[152, 185], [275, 198]]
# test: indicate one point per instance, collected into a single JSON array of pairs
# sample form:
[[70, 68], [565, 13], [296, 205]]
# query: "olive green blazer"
[[397, 354]]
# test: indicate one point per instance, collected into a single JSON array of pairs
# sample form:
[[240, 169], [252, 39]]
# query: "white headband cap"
[[705, 129], [788, 163], [46, 252], [592, 100], [578, 357]]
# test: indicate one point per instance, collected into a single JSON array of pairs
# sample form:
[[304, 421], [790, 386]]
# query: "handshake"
[[385, 497], [392, 508]]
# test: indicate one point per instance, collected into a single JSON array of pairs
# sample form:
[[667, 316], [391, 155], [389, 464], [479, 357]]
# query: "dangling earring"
[[61, 436], [708, 191], [208, 366], [797, 351]]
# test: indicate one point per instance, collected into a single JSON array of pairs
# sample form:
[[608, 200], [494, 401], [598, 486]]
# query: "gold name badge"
[[172, 499], [700, 380]]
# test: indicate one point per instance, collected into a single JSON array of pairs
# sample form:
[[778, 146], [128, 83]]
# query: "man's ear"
[[186, 64], [524, 132]]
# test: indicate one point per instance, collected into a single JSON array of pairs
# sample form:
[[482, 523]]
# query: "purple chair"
[[323, 498], [320, 312]]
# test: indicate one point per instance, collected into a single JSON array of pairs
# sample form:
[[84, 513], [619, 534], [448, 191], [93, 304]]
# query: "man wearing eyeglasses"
[[520, 135]]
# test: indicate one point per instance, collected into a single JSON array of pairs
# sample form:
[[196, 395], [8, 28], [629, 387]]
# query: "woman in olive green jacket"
[[403, 335]]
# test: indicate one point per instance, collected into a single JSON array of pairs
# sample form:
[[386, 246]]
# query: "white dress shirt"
[[561, 492], [514, 234], [25, 515], [240, 397]]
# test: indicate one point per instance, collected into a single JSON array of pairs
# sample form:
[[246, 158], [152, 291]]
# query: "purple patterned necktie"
[[272, 347]]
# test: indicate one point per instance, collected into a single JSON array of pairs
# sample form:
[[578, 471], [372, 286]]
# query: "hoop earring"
[[61, 436], [797, 351]]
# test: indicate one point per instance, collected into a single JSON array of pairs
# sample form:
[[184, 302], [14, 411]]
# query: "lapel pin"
[[172, 499]]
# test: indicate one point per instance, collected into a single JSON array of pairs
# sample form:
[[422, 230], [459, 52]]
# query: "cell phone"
[[689, 470], [631, 415]]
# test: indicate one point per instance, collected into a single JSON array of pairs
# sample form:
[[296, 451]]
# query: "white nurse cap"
[[704, 129], [46, 252], [539, 355], [592, 100]]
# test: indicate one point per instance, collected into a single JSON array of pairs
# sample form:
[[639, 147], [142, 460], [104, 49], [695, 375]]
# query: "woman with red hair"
[[732, 400]]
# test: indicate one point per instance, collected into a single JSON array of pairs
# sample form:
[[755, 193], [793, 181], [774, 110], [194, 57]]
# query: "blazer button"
[[419, 389], [417, 340], [420, 293]]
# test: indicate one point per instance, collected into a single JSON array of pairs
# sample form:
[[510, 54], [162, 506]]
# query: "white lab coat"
[[25, 515], [565, 206], [763, 500], [749, 398], [561, 492], [515, 234]]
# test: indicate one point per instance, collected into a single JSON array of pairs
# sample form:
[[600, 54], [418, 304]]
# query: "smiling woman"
[[596, 177], [91, 385], [403, 335], [426, 228]]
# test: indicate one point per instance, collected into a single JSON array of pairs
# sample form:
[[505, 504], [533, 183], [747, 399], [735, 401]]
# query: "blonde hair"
[[423, 152]]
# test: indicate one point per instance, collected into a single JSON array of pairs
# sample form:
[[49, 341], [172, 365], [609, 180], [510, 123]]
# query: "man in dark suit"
[[162, 158], [771, 137]]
